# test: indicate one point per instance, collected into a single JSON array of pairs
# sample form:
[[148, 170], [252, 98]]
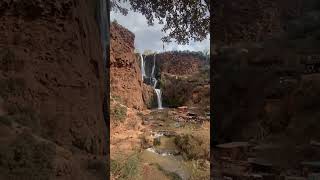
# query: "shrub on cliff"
[[174, 102], [118, 113]]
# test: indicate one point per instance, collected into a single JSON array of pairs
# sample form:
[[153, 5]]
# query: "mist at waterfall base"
[[152, 77]]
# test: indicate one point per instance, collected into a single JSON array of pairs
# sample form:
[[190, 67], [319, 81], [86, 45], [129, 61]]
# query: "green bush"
[[162, 83], [119, 112], [192, 147], [115, 167], [117, 98], [174, 101], [125, 169]]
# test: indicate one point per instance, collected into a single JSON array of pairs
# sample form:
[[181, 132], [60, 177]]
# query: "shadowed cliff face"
[[279, 72], [51, 78], [251, 20], [266, 92]]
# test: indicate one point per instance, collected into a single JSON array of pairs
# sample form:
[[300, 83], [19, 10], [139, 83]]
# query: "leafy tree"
[[183, 20]]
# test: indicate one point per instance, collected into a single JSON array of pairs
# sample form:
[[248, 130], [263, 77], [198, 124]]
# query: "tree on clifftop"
[[183, 20]]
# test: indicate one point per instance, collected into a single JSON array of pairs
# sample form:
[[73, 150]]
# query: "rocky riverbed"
[[174, 143]]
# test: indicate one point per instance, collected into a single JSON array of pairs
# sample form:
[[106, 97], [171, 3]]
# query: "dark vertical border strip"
[[103, 18], [213, 140], [107, 91]]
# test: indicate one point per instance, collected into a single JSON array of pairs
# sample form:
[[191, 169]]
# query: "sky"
[[149, 37]]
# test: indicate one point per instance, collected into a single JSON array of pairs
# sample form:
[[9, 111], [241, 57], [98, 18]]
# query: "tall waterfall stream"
[[153, 79]]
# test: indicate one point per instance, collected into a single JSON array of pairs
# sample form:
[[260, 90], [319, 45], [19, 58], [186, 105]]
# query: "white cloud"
[[149, 37]]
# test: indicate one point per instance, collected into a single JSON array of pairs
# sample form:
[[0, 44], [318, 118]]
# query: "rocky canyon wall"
[[275, 62], [184, 78], [179, 64], [252, 20], [176, 63], [264, 91], [176, 72], [51, 91], [125, 73]]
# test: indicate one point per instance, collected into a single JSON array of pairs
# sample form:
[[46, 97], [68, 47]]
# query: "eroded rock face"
[[149, 96], [125, 73], [51, 79], [252, 20], [176, 63], [173, 63]]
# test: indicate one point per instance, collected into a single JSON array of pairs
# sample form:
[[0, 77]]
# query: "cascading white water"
[[154, 66], [158, 92], [143, 72], [155, 81]]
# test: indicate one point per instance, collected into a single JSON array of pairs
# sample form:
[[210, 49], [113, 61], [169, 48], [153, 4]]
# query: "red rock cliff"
[[125, 74], [177, 63], [51, 93]]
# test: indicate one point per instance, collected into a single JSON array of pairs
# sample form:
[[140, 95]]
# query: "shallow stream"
[[166, 156]]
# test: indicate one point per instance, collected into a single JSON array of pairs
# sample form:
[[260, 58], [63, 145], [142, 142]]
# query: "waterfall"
[[155, 81], [143, 72], [153, 67], [158, 92]]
